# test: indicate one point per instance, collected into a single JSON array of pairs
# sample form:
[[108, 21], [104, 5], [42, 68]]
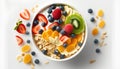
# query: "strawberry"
[[53, 24], [64, 38], [56, 13], [42, 18], [20, 28], [36, 29], [25, 14], [19, 40], [68, 28]]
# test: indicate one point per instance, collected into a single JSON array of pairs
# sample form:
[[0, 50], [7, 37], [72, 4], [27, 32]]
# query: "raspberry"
[[68, 28], [56, 13]]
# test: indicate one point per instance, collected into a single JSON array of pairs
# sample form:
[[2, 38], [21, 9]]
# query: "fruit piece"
[[43, 24], [65, 45], [33, 53], [49, 10], [62, 32], [35, 22], [50, 19], [19, 40], [72, 35], [60, 48], [68, 41], [68, 28], [36, 29], [58, 28], [42, 18], [62, 56], [96, 41], [90, 11], [74, 41], [27, 59], [70, 48], [25, 14], [97, 50], [100, 13], [37, 61], [80, 44], [64, 13], [62, 8], [75, 23], [56, 52], [102, 24], [53, 6], [56, 13], [77, 17], [45, 35], [79, 37], [95, 31], [92, 19], [55, 34], [40, 31], [25, 48], [53, 24], [54, 28], [28, 41], [27, 33], [60, 21], [64, 38], [28, 24], [44, 52], [20, 28]]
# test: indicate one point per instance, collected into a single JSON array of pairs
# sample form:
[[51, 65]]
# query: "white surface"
[[108, 59]]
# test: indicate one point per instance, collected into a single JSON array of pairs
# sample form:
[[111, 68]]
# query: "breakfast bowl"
[[59, 31]]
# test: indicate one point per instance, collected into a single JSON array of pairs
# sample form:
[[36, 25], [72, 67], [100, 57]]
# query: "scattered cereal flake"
[[32, 66], [33, 9], [25, 48], [27, 59], [101, 43], [92, 61], [102, 24], [95, 31], [19, 58], [23, 54], [46, 62], [100, 13]]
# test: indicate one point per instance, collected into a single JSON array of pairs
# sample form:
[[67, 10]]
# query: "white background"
[[5, 15]]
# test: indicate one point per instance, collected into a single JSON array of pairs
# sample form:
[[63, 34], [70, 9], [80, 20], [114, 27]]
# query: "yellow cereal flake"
[[95, 31], [19, 58], [25, 48], [100, 13], [92, 61], [55, 34], [102, 24], [27, 58], [60, 48]]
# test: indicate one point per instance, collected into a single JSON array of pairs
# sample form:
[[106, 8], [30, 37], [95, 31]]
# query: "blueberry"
[[58, 28], [35, 22], [62, 8], [90, 11], [37, 61], [27, 33], [64, 13], [43, 24], [56, 52], [92, 19], [96, 41], [97, 50], [80, 44], [65, 45], [62, 56], [40, 31], [44, 52], [72, 35], [49, 10], [28, 24], [48, 15], [53, 6], [54, 28], [50, 19], [33, 53], [28, 41], [60, 21], [62, 32]]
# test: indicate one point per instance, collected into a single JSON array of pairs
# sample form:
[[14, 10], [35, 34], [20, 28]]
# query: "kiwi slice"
[[77, 21]]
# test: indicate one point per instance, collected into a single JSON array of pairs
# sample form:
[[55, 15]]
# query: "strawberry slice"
[[25, 14], [42, 18], [64, 38], [20, 28], [53, 24], [19, 40], [36, 29]]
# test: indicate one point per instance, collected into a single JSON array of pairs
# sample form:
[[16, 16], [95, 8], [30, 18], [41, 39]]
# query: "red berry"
[[21, 29], [56, 13], [36, 29], [68, 28], [19, 40]]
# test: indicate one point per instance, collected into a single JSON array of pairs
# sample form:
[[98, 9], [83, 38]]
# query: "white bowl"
[[86, 33]]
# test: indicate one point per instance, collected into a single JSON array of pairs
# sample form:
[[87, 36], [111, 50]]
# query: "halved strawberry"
[[53, 24], [20, 28], [64, 38], [36, 29], [19, 40], [42, 18], [25, 14]]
